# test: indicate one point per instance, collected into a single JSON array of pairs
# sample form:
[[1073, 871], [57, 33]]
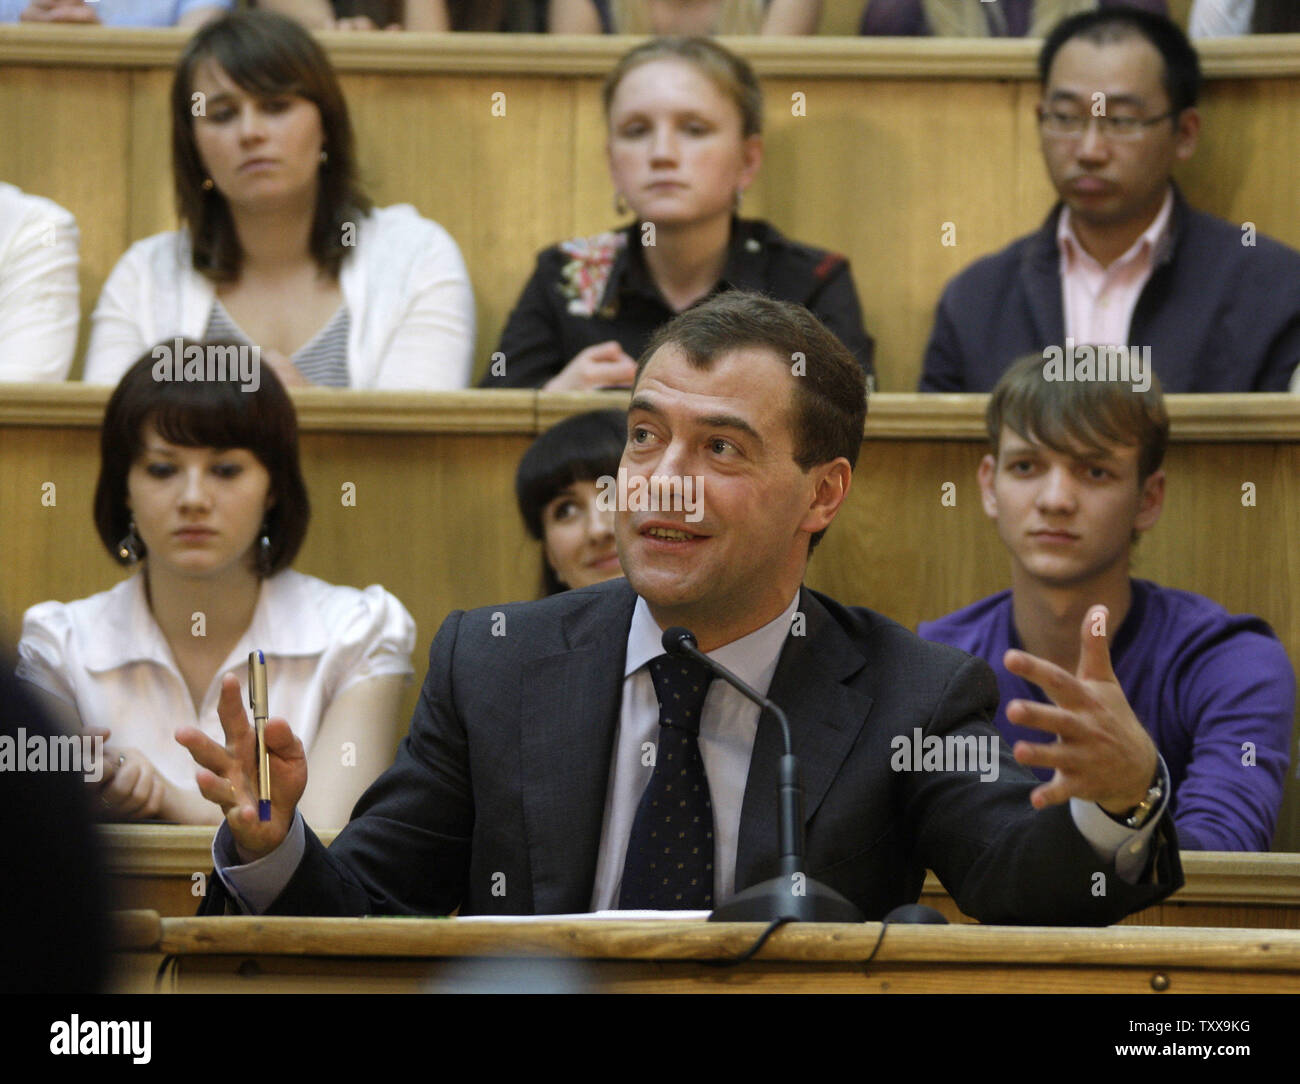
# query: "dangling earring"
[[739, 193], [620, 205], [131, 546], [207, 184], [324, 156], [264, 552]]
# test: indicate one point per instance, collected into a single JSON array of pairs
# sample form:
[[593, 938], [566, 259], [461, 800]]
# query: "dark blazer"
[[496, 799], [1219, 315]]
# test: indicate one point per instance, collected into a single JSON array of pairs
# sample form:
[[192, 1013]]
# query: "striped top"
[[323, 359]]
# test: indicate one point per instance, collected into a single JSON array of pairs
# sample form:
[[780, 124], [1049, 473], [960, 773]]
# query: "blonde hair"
[[730, 74], [968, 18], [734, 17]]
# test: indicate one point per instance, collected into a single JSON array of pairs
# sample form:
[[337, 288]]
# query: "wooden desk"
[[154, 867], [294, 955]]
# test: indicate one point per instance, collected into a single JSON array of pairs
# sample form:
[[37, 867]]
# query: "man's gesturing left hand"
[[1102, 753]]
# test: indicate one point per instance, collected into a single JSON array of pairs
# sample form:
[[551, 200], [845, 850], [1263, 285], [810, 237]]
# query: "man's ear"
[[1151, 502], [1187, 135], [832, 481], [987, 469]]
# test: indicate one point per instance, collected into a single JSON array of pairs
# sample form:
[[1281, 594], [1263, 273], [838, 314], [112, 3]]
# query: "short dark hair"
[[1182, 74], [203, 414], [265, 54], [829, 396], [582, 448], [1070, 415]]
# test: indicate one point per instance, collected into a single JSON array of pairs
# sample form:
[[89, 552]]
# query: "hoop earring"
[[620, 205], [207, 184], [264, 553], [130, 549]]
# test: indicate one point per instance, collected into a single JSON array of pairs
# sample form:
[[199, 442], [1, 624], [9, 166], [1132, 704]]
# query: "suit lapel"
[[571, 702], [1040, 276], [826, 716]]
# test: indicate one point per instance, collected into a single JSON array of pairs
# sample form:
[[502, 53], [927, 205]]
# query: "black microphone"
[[792, 894]]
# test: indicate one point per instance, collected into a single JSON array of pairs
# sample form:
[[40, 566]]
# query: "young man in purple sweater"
[[1073, 479]]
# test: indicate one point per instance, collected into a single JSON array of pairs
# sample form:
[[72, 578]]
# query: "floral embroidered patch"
[[586, 274]]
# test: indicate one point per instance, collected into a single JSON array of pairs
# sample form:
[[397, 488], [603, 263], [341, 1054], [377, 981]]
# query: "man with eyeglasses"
[[1122, 259]]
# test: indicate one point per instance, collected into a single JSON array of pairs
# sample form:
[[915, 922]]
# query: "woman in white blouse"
[[280, 247], [200, 487]]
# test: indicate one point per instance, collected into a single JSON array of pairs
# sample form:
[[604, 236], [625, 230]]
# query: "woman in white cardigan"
[[279, 247]]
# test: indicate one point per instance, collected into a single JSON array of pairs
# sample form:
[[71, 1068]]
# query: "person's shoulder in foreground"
[[53, 927]]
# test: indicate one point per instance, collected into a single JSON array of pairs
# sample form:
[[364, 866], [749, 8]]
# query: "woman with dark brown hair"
[[201, 493], [280, 248]]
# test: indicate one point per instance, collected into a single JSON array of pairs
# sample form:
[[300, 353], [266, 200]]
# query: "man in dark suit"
[[1123, 259], [547, 731]]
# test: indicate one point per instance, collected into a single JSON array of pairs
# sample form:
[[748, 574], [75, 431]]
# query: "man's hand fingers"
[[280, 739], [1060, 757], [1094, 649], [1052, 793], [1063, 689], [1045, 717], [216, 788], [204, 750], [230, 710]]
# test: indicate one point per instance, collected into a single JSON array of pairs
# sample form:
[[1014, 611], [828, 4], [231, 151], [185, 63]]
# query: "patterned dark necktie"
[[669, 863]]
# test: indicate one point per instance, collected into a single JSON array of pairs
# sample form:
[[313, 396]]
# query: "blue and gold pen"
[[257, 701]]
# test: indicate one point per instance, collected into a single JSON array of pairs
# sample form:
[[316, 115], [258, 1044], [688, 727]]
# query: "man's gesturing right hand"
[[228, 776]]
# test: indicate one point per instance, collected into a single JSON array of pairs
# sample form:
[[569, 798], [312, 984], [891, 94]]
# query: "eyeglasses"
[[1063, 125]]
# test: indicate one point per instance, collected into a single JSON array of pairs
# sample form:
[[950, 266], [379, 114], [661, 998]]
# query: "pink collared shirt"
[[1099, 301]]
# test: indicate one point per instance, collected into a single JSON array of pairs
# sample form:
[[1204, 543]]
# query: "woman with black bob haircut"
[[562, 504], [200, 490], [279, 246]]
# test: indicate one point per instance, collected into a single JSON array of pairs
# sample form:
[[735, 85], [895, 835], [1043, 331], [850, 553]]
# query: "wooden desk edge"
[[1245, 418], [1208, 949], [813, 57]]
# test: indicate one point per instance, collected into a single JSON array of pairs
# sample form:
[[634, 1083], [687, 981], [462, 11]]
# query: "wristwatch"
[[1141, 813]]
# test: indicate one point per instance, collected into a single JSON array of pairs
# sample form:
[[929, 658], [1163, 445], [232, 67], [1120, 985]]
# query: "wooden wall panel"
[[899, 138]]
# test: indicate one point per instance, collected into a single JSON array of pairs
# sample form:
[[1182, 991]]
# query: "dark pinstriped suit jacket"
[[496, 799]]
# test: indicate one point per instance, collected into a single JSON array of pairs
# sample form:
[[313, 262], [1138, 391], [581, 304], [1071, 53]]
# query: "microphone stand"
[[791, 894]]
